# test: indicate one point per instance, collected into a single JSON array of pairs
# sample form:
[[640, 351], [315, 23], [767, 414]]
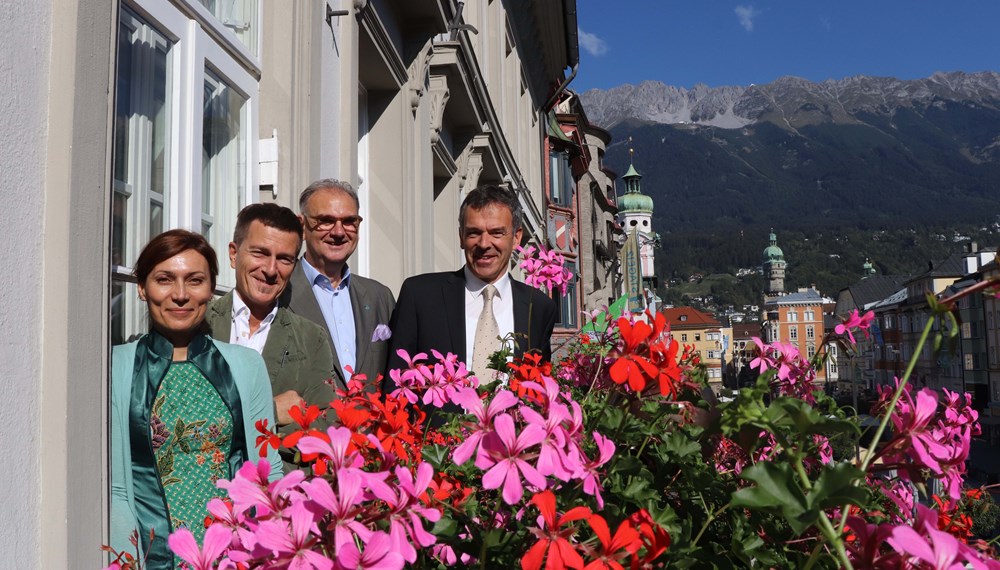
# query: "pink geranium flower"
[[855, 321], [484, 414], [378, 555], [507, 448], [183, 544]]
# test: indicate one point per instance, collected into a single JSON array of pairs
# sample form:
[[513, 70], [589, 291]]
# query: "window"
[[969, 362], [684, 338], [568, 312], [809, 316], [561, 179], [177, 85], [697, 337], [714, 373], [793, 316], [810, 351], [966, 330], [810, 332], [714, 354], [793, 333]]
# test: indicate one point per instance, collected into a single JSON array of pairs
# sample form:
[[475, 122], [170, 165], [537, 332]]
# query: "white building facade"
[[129, 117]]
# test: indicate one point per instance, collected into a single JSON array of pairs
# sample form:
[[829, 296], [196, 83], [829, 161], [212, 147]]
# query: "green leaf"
[[445, 527], [836, 487], [680, 445], [436, 455], [776, 491]]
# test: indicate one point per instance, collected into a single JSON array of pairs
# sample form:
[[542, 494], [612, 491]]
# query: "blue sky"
[[742, 42]]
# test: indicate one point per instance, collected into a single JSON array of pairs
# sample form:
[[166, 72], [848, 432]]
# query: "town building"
[[128, 117], [744, 351], [863, 364], [707, 336], [635, 216], [580, 213], [799, 319]]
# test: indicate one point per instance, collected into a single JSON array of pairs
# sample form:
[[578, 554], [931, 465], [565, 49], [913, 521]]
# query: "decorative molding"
[[438, 87], [472, 168], [421, 78]]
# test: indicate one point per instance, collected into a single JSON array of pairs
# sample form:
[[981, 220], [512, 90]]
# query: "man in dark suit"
[[296, 351], [323, 289], [466, 312]]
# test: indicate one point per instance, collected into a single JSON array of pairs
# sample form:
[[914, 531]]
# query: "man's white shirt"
[[240, 331], [503, 309]]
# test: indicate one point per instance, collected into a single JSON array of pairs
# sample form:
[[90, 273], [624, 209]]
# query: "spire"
[[632, 176]]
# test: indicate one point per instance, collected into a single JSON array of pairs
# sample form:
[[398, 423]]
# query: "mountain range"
[[837, 163], [869, 151]]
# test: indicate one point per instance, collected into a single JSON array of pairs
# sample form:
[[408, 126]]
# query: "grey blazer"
[[372, 304]]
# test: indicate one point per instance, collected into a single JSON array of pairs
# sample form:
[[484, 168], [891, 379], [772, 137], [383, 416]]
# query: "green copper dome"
[[630, 202], [772, 252], [633, 200]]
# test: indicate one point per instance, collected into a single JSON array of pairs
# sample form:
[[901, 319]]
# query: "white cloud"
[[592, 44], [746, 14]]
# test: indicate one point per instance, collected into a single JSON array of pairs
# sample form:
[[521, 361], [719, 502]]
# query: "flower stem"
[[870, 452], [833, 536]]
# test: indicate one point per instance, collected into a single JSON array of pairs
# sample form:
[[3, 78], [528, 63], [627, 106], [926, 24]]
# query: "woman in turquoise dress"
[[183, 406]]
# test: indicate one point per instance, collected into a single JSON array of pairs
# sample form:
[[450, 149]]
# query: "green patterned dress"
[[192, 431]]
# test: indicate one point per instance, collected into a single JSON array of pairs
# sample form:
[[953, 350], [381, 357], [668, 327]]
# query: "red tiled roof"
[[682, 317]]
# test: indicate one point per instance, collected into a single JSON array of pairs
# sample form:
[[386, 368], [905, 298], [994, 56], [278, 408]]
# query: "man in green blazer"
[[296, 351]]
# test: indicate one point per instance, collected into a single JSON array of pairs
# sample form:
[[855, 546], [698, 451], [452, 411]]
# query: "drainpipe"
[[562, 87], [573, 49]]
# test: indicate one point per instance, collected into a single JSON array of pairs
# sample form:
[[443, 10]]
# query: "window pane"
[[142, 135], [223, 173], [240, 16]]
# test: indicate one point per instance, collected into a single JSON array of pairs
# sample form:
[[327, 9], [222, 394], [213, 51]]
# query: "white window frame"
[[192, 50]]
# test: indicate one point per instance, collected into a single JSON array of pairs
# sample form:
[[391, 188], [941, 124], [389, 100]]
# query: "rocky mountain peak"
[[788, 101]]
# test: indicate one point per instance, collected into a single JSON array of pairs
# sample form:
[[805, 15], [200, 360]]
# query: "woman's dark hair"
[[169, 244]]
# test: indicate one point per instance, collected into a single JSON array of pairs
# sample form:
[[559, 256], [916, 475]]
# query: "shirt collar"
[[315, 277], [474, 285], [239, 307]]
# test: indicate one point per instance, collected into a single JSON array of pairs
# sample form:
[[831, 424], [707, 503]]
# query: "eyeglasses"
[[327, 223]]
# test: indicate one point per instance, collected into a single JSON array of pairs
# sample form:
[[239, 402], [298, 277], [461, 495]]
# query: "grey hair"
[[487, 194], [328, 184]]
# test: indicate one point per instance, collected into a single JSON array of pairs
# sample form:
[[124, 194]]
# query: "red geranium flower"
[[553, 539]]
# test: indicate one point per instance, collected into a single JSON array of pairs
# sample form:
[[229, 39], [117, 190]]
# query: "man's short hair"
[[487, 194], [328, 184], [271, 215]]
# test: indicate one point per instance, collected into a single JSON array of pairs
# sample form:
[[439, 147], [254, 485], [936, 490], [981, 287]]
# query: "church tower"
[[635, 213], [774, 268]]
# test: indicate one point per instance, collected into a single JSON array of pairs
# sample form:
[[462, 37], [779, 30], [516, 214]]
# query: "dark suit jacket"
[[430, 314], [372, 304], [296, 354]]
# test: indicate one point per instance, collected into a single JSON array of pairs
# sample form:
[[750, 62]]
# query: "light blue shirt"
[[337, 312]]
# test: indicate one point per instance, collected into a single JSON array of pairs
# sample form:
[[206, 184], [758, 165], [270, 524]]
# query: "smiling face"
[[177, 292], [488, 239], [264, 262], [328, 249]]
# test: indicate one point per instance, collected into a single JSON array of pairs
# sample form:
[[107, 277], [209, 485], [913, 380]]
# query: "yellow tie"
[[487, 338]]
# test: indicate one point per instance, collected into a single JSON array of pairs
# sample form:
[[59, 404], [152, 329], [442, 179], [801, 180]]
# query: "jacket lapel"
[[363, 321], [453, 300], [220, 317], [300, 299], [522, 318]]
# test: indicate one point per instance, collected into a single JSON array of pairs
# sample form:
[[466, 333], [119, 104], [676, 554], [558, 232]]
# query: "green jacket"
[[297, 352]]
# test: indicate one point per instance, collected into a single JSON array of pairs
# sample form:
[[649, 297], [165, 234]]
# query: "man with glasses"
[[466, 312], [323, 289]]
